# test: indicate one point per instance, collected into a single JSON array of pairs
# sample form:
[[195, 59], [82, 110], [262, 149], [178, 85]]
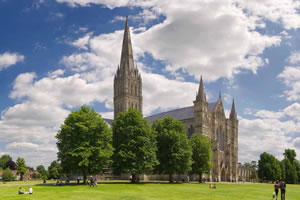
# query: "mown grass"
[[148, 191]]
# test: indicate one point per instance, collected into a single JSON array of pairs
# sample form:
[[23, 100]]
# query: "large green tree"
[[7, 175], [21, 168], [42, 172], [84, 143], [54, 170], [291, 166], [174, 152], [290, 171], [290, 154], [134, 143], [269, 168], [202, 155], [3, 160]]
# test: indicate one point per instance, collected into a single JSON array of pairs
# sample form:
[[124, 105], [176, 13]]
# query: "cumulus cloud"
[[44, 104], [294, 58], [21, 146], [278, 11], [296, 142], [270, 135], [291, 77], [82, 43], [8, 59]]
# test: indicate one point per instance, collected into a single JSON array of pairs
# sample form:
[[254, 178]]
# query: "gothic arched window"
[[220, 139]]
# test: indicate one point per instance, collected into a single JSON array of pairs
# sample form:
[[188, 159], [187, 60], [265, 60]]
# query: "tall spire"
[[126, 62], [201, 94], [233, 113]]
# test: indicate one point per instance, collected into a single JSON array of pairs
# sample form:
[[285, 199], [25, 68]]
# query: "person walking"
[[276, 188], [282, 190]]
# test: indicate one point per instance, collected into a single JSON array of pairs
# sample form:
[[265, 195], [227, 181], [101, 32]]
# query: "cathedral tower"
[[127, 81], [201, 111]]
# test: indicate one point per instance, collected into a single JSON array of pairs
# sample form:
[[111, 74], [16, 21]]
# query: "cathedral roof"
[[178, 114]]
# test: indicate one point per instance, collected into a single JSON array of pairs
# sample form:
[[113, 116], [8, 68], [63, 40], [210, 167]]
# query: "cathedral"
[[207, 118]]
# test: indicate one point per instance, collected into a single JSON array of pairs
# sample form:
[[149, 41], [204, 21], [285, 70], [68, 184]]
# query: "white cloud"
[[44, 104], [21, 146], [8, 59], [266, 114], [265, 135], [271, 132], [220, 43], [278, 11], [291, 77], [293, 111], [82, 43], [296, 142], [294, 58]]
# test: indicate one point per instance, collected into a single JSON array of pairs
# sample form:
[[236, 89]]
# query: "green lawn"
[[115, 191]]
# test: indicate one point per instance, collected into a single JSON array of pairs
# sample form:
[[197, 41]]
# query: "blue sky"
[[56, 55]]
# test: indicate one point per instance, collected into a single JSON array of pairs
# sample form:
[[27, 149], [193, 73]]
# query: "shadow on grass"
[[106, 182]]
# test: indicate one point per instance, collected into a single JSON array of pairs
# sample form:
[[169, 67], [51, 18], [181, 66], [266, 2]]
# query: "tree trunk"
[[135, 178], [200, 177], [171, 178], [84, 179]]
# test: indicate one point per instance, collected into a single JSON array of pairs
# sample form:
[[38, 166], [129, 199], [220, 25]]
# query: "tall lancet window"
[[220, 139]]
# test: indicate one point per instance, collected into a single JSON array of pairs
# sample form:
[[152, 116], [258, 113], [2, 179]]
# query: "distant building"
[[203, 117]]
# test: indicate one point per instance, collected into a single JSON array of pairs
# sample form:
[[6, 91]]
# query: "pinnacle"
[[201, 93], [127, 62]]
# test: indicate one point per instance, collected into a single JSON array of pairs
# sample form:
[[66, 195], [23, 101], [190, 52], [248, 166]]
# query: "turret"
[[233, 114], [201, 94]]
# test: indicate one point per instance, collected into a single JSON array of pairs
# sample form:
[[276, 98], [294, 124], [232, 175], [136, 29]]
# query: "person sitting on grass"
[[21, 191], [30, 191]]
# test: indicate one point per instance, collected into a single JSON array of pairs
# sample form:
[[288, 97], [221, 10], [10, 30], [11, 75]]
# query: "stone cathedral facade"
[[201, 118]]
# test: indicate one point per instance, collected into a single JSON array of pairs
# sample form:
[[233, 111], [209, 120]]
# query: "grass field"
[[123, 191]]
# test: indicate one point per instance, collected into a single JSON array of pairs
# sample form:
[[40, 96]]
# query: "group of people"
[[92, 181], [22, 191], [282, 186], [212, 186]]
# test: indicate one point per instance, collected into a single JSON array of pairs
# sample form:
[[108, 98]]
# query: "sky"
[[57, 55]]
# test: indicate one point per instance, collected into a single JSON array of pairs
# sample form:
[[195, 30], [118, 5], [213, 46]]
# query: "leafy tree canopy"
[[269, 167], [84, 143], [202, 155], [134, 143], [290, 154], [7, 175], [174, 152], [54, 170], [21, 167], [3, 160]]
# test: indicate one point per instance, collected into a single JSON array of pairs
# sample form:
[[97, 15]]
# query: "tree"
[[290, 154], [252, 167], [21, 168], [135, 145], [3, 160], [54, 170], [291, 166], [7, 175], [84, 143], [269, 168], [202, 155], [11, 165], [290, 171], [42, 172], [174, 152]]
